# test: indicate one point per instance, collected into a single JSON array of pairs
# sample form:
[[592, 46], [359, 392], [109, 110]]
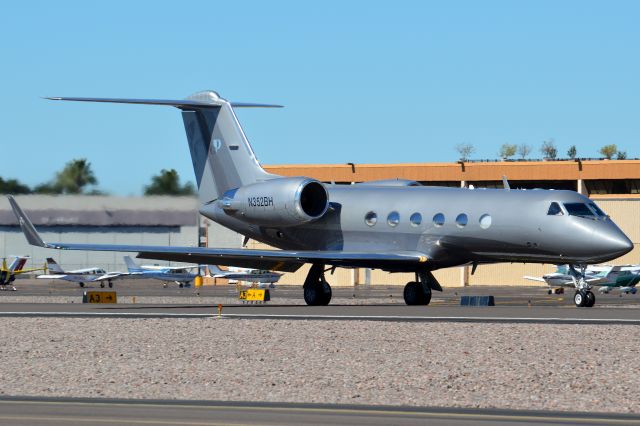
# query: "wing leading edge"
[[275, 260]]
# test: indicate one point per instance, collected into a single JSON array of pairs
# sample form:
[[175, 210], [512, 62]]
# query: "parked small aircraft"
[[8, 273], [606, 277], [80, 276], [396, 226], [261, 278], [181, 275]]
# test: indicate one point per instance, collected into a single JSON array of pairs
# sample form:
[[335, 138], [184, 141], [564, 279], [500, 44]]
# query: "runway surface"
[[373, 303], [544, 314], [69, 411]]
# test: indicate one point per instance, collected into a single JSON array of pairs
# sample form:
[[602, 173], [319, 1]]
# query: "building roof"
[[467, 171], [83, 210]]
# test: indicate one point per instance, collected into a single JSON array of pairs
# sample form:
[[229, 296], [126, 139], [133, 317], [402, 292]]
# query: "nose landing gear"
[[583, 297]]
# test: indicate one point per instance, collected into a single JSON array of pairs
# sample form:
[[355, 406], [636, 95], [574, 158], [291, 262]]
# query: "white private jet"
[[80, 276]]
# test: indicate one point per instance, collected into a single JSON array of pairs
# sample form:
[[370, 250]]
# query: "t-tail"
[[132, 266], [221, 154], [53, 267]]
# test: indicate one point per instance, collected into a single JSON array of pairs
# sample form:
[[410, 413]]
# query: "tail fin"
[[18, 263], [131, 265], [221, 155], [53, 267], [214, 270]]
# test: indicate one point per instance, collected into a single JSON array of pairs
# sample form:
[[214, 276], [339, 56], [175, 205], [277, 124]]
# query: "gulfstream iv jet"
[[396, 226]]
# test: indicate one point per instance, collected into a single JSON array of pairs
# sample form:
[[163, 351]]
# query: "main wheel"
[[590, 299], [101, 285], [580, 298], [412, 293], [317, 294], [110, 284], [81, 284], [426, 295]]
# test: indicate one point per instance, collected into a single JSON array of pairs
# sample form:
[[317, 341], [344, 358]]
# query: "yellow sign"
[[100, 297], [255, 295]]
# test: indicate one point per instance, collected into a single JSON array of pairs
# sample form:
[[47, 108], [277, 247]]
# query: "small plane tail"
[[53, 266], [214, 270], [132, 266], [221, 154], [18, 263]]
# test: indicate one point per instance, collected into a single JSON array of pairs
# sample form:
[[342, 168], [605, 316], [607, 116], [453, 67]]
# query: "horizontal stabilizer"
[[182, 103]]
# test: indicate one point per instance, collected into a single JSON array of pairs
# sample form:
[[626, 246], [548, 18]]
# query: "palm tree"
[[75, 176], [168, 183]]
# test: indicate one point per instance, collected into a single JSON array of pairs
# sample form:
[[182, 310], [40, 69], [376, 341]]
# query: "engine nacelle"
[[285, 201]]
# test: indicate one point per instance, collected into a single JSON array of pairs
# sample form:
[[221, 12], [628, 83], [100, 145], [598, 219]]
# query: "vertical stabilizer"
[[221, 154], [53, 267], [131, 265]]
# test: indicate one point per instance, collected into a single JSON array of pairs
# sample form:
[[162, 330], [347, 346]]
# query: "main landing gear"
[[583, 297], [317, 291], [419, 292]]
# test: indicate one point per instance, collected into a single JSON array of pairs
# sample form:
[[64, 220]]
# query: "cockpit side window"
[[597, 209], [555, 210], [579, 209]]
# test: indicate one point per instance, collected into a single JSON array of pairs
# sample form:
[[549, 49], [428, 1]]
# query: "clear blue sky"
[[381, 82]]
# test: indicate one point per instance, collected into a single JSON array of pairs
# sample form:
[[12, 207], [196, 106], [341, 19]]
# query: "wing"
[[274, 260], [111, 276], [51, 276], [527, 277]]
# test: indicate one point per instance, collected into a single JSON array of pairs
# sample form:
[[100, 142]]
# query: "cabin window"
[[438, 219], [579, 209], [393, 219], [371, 218], [461, 220], [555, 210], [415, 219], [485, 221]]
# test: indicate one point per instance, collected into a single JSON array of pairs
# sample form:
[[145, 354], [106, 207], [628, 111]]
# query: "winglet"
[[27, 227]]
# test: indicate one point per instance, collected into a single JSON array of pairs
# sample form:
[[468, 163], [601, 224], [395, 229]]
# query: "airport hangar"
[[166, 220]]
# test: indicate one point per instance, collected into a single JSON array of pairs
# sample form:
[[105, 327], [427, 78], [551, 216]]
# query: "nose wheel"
[[584, 298]]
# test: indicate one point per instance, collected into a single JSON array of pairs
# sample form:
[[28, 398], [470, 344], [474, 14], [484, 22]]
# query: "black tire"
[[317, 294], [580, 298], [101, 285], [590, 299], [312, 295], [426, 295], [412, 293], [81, 284], [110, 284], [181, 285], [326, 293]]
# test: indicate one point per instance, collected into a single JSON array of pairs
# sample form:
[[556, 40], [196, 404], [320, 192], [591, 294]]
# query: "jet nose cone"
[[615, 242]]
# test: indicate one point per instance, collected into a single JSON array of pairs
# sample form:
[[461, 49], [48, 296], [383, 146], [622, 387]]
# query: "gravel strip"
[[553, 367]]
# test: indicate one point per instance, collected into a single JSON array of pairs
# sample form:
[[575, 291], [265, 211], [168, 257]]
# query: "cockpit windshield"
[[579, 209]]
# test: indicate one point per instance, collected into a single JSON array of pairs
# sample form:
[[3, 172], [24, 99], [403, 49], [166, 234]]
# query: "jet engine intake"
[[285, 201]]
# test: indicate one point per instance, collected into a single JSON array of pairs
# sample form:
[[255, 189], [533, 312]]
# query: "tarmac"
[[89, 411]]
